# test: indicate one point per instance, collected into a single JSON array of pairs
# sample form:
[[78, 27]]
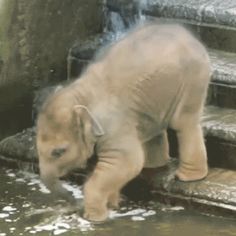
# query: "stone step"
[[215, 12], [214, 21], [219, 125], [222, 90], [216, 194]]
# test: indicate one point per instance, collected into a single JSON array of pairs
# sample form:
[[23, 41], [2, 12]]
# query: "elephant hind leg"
[[157, 151], [192, 151]]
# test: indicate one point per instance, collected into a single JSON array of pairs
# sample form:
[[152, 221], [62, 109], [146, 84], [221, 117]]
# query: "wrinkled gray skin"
[[155, 77]]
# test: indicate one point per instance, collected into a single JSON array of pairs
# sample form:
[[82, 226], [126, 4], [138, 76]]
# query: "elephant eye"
[[58, 152]]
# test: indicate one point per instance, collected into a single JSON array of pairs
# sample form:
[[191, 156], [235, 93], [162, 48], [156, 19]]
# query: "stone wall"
[[35, 37]]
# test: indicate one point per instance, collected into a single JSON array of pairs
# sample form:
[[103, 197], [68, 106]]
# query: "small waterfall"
[[120, 17], [142, 4], [116, 26]]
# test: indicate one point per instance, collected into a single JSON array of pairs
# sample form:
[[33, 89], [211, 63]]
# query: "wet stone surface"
[[213, 21], [220, 123], [215, 194], [222, 95], [27, 208], [223, 67], [21, 146], [208, 11]]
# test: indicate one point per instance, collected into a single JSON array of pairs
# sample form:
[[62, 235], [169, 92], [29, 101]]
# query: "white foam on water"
[[63, 224], [20, 180], [9, 208], [137, 218], [59, 222], [12, 229], [4, 215], [75, 189], [43, 188], [26, 205], [175, 208], [32, 231], [32, 180], [136, 214], [12, 175], [8, 220], [59, 231], [85, 225], [149, 213]]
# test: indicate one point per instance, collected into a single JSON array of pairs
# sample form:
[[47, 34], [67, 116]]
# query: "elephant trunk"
[[56, 188]]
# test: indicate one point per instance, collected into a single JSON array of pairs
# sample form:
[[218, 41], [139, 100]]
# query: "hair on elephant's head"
[[66, 135]]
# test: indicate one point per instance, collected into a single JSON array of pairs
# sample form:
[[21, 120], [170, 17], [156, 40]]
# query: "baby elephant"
[[154, 78]]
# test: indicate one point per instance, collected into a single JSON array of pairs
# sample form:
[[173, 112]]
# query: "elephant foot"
[[187, 175], [96, 215]]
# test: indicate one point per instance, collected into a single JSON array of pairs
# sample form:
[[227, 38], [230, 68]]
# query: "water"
[[117, 23], [27, 208]]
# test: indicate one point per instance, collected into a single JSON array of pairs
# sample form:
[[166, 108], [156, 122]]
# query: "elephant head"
[[66, 135]]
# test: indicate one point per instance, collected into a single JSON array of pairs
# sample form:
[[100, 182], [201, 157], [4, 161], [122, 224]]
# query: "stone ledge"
[[220, 133], [207, 11], [213, 21], [213, 195], [223, 67], [220, 123], [222, 90]]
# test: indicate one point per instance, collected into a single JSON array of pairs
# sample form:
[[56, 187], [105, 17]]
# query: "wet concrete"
[[28, 208]]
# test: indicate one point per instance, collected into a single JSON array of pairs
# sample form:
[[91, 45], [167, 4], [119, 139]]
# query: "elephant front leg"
[[110, 175], [193, 158]]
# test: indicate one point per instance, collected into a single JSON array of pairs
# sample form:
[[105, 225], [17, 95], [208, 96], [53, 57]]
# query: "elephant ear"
[[87, 122]]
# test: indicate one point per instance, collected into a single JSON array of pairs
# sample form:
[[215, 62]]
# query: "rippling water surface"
[[27, 208]]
